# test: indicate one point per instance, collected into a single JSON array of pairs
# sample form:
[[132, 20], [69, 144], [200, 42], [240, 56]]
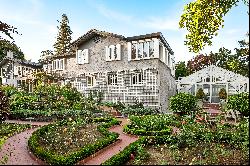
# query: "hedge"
[[74, 157], [143, 132]]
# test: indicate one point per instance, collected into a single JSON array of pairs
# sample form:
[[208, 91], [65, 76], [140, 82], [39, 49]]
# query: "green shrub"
[[223, 93], [239, 102], [184, 103], [200, 94], [4, 106], [74, 157], [138, 111]]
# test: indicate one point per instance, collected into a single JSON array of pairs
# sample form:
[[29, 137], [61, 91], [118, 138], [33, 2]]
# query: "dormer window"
[[82, 56], [113, 52]]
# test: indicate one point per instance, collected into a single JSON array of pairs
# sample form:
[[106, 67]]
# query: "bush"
[[72, 158], [138, 111], [239, 102], [4, 106], [184, 103], [223, 93], [200, 94]]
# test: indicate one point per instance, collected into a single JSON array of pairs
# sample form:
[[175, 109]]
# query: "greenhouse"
[[211, 79]]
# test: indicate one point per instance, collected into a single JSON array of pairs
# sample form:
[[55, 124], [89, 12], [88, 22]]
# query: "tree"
[[62, 44], [199, 62], [181, 70], [6, 45], [7, 30], [203, 19]]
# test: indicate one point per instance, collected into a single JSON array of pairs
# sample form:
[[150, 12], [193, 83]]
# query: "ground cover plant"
[[8, 129], [74, 139]]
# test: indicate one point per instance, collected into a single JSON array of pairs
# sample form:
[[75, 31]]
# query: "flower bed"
[[8, 129], [196, 143], [69, 141]]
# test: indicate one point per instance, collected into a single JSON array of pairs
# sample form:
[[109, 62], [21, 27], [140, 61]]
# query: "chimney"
[[10, 54]]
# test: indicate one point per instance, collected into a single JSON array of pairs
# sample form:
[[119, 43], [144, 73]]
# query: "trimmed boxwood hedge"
[[74, 157], [143, 132]]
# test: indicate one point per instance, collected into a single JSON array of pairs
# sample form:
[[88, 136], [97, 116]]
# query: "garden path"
[[15, 147], [104, 155]]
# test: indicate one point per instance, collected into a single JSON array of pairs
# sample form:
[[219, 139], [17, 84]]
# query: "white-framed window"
[[90, 81], [136, 79], [113, 52], [82, 56], [143, 49], [58, 64], [112, 79]]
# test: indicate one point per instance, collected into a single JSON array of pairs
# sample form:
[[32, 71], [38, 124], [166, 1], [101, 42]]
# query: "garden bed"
[[69, 141], [202, 154], [8, 129]]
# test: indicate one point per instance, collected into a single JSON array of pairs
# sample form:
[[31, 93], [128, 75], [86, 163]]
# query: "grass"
[[202, 154], [9, 129]]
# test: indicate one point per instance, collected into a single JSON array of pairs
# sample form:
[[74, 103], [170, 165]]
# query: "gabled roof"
[[215, 71], [22, 62], [91, 33]]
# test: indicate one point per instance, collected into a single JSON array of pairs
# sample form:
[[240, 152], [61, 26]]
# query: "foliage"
[[7, 29], [200, 94], [6, 45], [62, 44], [49, 115], [181, 70], [151, 125], [8, 90], [239, 102], [199, 62], [223, 93], [138, 111], [8, 130], [184, 103], [4, 106], [71, 158], [203, 19]]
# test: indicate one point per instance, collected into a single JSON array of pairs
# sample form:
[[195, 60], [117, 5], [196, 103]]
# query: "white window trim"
[[137, 79], [93, 81], [114, 77], [112, 49]]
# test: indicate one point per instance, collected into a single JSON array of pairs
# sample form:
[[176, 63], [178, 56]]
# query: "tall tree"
[[6, 45], [203, 19], [62, 44], [181, 70]]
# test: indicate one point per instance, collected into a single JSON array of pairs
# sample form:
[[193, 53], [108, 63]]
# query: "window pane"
[[145, 49], [140, 50], [151, 49], [133, 51]]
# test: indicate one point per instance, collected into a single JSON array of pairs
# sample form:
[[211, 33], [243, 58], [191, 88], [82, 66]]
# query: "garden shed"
[[211, 79]]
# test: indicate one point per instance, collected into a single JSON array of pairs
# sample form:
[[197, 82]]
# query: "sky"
[[36, 20]]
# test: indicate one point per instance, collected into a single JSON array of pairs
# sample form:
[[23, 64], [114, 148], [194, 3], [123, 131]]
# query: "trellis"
[[212, 78]]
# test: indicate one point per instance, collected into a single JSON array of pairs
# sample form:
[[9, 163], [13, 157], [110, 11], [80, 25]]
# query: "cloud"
[[162, 23]]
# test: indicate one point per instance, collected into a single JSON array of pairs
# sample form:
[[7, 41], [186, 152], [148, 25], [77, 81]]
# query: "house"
[[124, 69], [211, 79], [18, 72]]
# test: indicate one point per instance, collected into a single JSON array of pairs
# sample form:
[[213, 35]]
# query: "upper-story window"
[[136, 79], [143, 49], [82, 56], [112, 79], [58, 64], [113, 52]]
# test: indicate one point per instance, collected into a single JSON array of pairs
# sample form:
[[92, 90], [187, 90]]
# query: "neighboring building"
[[211, 79], [18, 73], [122, 68]]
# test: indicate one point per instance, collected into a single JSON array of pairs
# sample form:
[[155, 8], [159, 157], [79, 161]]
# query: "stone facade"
[[149, 80]]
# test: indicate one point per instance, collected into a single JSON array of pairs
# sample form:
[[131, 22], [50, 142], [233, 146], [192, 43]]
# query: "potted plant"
[[200, 96], [223, 97]]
